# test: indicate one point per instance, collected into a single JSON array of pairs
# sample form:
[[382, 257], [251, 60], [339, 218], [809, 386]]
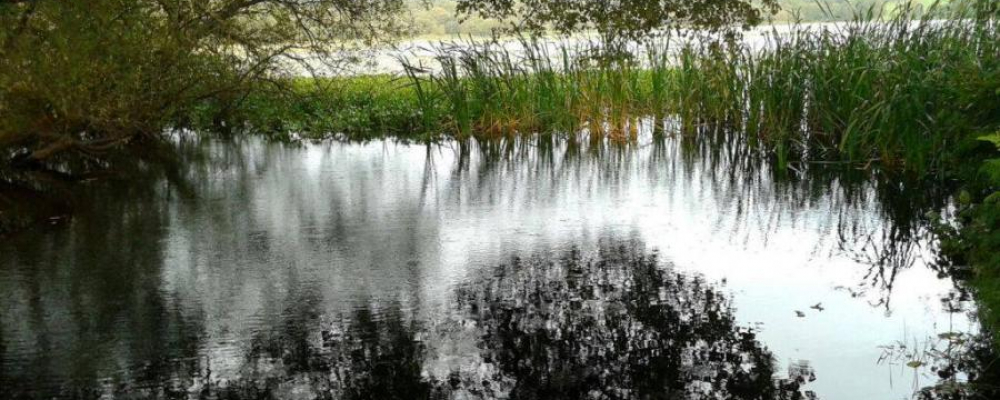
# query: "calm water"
[[526, 270]]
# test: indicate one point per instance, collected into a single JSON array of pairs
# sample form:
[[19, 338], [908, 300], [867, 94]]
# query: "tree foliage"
[[620, 19], [84, 78]]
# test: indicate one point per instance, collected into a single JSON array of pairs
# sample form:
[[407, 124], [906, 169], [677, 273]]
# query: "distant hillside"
[[439, 19], [836, 10]]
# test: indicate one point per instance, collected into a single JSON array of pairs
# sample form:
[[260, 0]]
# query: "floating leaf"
[[915, 364]]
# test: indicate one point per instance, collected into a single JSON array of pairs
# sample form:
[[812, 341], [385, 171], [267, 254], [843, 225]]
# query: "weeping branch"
[[115, 70]]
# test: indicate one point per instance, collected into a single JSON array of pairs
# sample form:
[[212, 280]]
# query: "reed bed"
[[487, 90], [901, 90], [906, 91]]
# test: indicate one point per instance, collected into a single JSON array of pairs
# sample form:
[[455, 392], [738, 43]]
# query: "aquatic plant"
[[971, 240], [903, 90], [893, 89]]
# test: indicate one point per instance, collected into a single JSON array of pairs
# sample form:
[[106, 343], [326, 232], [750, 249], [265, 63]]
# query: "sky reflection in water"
[[353, 270]]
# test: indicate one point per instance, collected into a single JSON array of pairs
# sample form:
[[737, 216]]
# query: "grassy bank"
[[355, 108], [908, 94]]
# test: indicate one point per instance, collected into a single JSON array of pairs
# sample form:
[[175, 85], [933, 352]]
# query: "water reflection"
[[965, 365], [617, 326], [373, 353], [332, 270], [877, 218]]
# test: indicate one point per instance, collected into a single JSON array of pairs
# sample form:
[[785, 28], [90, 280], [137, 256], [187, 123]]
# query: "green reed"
[[904, 90], [886, 89], [892, 89]]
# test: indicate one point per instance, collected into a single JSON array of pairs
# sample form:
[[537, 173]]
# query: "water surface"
[[521, 269]]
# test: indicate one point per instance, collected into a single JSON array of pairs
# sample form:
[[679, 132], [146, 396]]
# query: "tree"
[[81, 79], [618, 20]]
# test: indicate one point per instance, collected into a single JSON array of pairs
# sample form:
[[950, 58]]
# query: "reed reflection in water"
[[262, 262]]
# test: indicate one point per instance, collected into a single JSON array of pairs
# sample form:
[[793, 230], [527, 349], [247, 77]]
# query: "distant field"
[[438, 20]]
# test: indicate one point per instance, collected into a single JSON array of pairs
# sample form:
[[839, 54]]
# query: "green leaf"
[[993, 198], [915, 364], [993, 138], [964, 197], [992, 169]]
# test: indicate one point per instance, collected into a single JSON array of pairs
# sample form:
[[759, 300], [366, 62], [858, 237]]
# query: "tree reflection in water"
[[617, 326], [378, 359], [610, 325]]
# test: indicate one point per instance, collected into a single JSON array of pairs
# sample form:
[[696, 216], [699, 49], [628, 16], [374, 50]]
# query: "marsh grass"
[[892, 91], [488, 91], [896, 89], [901, 90]]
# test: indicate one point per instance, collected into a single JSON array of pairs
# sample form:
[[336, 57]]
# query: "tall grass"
[[903, 90], [895, 89], [491, 91]]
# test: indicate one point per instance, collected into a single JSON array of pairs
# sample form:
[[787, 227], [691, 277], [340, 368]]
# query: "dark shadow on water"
[[617, 325], [614, 326]]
